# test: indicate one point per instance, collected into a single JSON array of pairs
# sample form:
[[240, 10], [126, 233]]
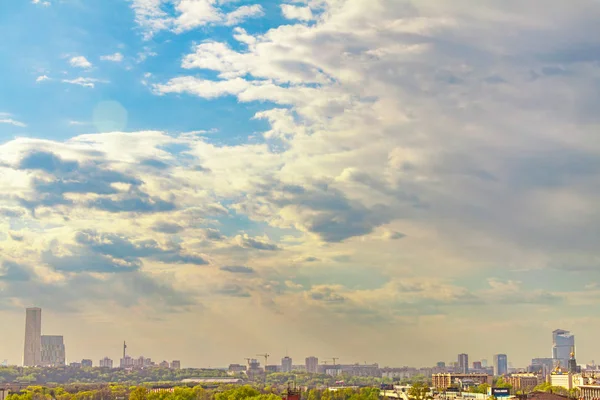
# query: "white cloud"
[[11, 121], [243, 13], [189, 14], [85, 82], [41, 2], [295, 12], [42, 78], [116, 57], [80, 62]]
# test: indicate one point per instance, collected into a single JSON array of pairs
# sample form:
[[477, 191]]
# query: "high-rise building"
[[86, 362], [175, 364], [53, 351], [441, 364], [562, 343], [500, 364], [32, 354], [463, 363], [286, 364], [477, 365], [312, 365], [106, 363], [484, 363]]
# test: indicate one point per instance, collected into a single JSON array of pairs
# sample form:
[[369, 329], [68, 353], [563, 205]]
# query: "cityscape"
[[299, 199], [560, 370]]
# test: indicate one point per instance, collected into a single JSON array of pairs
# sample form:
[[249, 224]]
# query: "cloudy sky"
[[387, 181]]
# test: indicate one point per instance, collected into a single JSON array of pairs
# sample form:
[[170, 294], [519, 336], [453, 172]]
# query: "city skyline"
[[391, 181], [52, 352]]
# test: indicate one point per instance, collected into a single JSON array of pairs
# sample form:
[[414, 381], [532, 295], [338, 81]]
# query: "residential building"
[[562, 344], [86, 362], [523, 382], [359, 369], [500, 364], [476, 365], [175, 364], [164, 364], [564, 380], [312, 365], [126, 362], [444, 381], [272, 368], [463, 363], [53, 351], [235, 369], [398, 373], [32, 355], [286, 364], [75, 365], [441, 364], [484, 363], [106, 363]]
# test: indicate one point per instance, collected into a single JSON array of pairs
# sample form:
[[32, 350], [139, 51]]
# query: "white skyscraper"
[[562, 344], [32, 355]]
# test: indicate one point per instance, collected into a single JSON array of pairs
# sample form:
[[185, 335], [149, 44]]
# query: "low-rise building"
[[524, 382], [443, 381], [589, 392]]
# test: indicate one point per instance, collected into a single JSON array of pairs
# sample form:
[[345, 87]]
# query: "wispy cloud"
[[116, 57], [80, 62], [42, 78], [85, 82], [41, 2], [6, 118]]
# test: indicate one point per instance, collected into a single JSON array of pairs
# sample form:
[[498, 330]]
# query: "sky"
[[391, 181]]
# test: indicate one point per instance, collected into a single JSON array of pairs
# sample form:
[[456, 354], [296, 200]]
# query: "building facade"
[[175, 364], [86, 362], [312, 365], [524, 382], [444, 381], [500, 364], [463, 363], [106, 363], [563, 342], [32, 355], [53, 351], [286, 364]]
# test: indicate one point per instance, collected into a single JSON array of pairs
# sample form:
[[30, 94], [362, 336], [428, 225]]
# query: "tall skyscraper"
[[53, 351], [32, 354], [500, 364], [286, 364], [312, 365], [562, 343], [463, 363]]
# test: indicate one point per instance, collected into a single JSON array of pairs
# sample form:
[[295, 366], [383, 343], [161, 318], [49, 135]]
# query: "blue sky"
[[415, 172]]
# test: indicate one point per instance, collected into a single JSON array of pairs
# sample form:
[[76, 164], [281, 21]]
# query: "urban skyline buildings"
[[53, 351], [286, 364], [312, 364], [500, 364], [463, 363], [563, 342], [32, 353]]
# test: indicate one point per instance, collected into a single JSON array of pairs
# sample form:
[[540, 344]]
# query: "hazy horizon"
[[387, 181]]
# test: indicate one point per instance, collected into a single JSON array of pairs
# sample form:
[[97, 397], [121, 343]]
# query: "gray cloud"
[[12, 271], [167, 227], [238, 269]]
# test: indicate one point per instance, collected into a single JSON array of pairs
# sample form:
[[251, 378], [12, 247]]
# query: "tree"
[[419, 391], [139, 393]]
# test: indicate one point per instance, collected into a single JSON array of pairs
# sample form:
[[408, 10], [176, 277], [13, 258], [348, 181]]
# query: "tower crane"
[[266, 356]]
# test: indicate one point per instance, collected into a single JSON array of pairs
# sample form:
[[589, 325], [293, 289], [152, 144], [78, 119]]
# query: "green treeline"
[[69, 375], [121, 392]]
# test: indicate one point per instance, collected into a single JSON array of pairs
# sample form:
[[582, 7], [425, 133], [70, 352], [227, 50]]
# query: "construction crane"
[[334, 358], [266, 356]]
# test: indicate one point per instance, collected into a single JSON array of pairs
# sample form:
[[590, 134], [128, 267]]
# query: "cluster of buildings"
[[311, 365], [49, 350]]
